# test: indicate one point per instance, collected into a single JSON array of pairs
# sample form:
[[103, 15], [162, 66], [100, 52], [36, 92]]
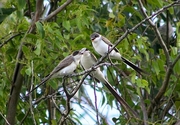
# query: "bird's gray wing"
[[109, 43], [65, 62], [93, 57]]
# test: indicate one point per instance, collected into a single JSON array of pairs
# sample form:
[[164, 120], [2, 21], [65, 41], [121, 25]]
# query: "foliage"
[[155, 97]]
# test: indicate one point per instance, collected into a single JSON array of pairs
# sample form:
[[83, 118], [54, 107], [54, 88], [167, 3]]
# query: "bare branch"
[[69, 96], [127, 32], [95, 98], [13, 36], [39, 9], [30, 97], [176, 59], [170, 66], [163, 45], [5, 119], [25, 116], [58, 10], [16, 84], [143, 108]]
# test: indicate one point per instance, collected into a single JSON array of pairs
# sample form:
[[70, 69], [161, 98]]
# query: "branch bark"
[[170, 65], [17, 77], [16, 82]]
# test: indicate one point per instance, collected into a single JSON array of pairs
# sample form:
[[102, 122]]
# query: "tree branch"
[[17, 77], [69, 96], [127, 32], [57, 10], [16, 84], [6, 41], [163, 45], [5, 119], [170, 65]]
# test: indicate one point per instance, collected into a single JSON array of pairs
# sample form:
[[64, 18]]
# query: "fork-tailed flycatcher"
[[66, 67], [102, 46], [87, 61]]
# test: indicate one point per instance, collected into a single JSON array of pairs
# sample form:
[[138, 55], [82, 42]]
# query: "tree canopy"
[[36, 35]]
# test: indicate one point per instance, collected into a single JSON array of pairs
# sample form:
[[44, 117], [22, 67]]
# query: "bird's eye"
[[86, 49], [94, 36]]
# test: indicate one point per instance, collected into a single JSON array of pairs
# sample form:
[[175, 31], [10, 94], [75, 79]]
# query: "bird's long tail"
[[120, 99], [42, 82], [132, 65]]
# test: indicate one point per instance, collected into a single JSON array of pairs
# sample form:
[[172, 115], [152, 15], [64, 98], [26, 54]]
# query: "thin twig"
[[25, 116], [143, 108], [57, 10], [5, 119], [30, 97], [163, 45], [69, 96], [170, 65], [56, 105], [95, 98], [13, 36], [90, 69]]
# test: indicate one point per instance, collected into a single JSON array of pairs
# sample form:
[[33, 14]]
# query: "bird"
[[66, 67], [163, 31], [88, 60], [102, 46]]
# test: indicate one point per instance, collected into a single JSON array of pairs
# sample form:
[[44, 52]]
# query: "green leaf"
[[53, 122], [28, 71], [21, 4], [177, 68], [19, 14], [26, 51], [174, 50], [79, 24], [4, 12], [66, 24], [133, 78], [40, 29], [10, 50], [178, 34], [111, 15], [31, 36], [38, 47], [79, 37], [156, 67], [142, 83], [53, 84]]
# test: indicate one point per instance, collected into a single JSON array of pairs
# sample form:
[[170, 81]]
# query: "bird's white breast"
[[101, 47], [87, 61]]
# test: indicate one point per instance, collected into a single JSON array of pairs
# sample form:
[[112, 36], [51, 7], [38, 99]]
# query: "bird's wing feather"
[[109, 43], [93, 57], [65, 62]]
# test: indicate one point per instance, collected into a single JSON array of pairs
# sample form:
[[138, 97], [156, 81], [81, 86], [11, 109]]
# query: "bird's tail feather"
[[120, 99], [132, 65], [42, 82]]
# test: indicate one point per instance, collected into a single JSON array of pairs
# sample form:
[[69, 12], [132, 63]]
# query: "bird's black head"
[[75, 53], [94, 36]]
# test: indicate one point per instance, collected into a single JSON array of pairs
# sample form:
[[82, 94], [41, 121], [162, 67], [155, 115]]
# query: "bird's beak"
[[92, 39], [82, 50]]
